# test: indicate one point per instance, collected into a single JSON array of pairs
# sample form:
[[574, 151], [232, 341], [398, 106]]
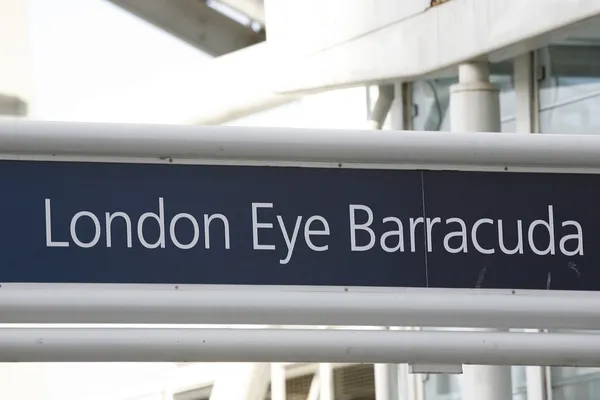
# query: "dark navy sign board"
[[68, 222]]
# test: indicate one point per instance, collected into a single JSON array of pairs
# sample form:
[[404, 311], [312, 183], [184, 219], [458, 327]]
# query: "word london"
[[362, 233]]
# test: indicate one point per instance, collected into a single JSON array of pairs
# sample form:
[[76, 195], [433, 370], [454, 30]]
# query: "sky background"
[[93, 61], [85, 49]]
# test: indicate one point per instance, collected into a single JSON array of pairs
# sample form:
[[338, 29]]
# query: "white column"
[[536, 382], [15, 76], [326, 389], [386, 382], [536, 378], [474, 101], [278, 381], [475, 107], [526, 94]]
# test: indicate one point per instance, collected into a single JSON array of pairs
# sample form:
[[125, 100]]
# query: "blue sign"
[[65, 222]]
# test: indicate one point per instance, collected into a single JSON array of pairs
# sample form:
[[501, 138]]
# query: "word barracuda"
[[397, 236]]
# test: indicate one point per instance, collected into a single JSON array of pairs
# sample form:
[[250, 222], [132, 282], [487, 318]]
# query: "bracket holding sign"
[[119, 223]]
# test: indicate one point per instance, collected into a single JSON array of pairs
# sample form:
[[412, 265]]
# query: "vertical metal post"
[[475, 107], [525, 88], [386, 382], [474, 101], [536, 379], [326, 390], [278, 380]]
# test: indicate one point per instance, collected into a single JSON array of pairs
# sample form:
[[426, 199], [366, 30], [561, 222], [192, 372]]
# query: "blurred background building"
[[294, 63]]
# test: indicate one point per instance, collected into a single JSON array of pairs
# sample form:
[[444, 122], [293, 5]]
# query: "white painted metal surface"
[[259, 345], [196, 23], [474, 101], [351, 44], [299, 306], [326, 381], [164, 143], [386, 381]]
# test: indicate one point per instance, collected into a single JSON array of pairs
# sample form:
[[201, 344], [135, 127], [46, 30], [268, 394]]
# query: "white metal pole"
[[95, 304], [289, 345], [172, 144], [326, 382], [474, 101], [475, 107], [386, 375], [278, 381]]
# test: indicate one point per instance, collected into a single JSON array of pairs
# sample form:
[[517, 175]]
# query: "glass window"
[[441, 387], [448, 387], [519, 382], [432, 102], [569, 91], [569, 383], [575, 383]]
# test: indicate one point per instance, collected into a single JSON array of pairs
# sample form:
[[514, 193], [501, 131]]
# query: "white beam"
[[379, 39], [196, 23], [260, 345], [429, 150], [299, 306]]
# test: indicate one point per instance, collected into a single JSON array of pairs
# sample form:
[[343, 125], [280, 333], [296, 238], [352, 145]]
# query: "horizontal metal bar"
[[308, 145], [346, 307], [275, 345]]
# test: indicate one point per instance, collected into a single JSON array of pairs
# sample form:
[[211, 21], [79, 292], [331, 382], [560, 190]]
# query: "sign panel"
[[76, 222]]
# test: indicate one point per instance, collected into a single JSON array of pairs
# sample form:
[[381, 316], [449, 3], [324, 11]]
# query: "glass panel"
[[442, 387], [570, 97], [569, 383], [519, 379], [589, 390]]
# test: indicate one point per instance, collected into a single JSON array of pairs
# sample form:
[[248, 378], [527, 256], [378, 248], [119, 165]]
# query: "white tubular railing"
[[296, 306], [283, 345]]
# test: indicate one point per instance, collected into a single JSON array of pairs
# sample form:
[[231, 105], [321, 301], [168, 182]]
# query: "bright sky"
[[84, 49]]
